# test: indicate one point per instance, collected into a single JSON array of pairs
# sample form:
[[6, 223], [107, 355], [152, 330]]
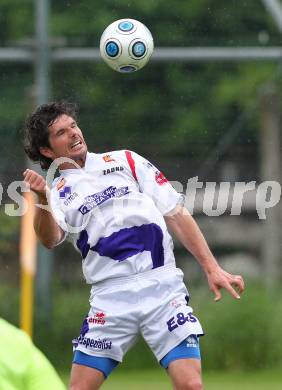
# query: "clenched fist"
[[37, 184]]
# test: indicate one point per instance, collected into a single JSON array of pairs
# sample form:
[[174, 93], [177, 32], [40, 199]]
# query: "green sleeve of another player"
[[41, 374], [22, 365]]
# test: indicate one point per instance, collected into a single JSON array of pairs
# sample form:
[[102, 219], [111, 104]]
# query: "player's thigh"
[[85, 378], [186, 374]]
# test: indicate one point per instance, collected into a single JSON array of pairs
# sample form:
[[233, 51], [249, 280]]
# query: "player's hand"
[[37, 183], [218, 279]]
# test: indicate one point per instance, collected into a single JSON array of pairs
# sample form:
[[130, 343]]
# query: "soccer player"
[[22, 365], [116, 208]]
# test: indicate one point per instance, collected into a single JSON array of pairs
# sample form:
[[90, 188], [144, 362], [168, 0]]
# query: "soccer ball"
[[126, 45]]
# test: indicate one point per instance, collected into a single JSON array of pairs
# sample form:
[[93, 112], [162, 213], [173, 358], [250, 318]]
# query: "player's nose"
[[72, 132]]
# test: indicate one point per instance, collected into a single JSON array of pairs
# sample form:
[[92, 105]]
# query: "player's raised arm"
[[185, 228], [47, 230]]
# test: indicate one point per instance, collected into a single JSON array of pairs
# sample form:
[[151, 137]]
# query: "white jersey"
[[112, 210]]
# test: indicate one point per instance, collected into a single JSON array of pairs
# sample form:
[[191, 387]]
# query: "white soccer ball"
[[126, 45]]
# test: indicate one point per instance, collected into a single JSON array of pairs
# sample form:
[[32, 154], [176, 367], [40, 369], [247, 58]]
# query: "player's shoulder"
[[13, 333], [109, 154], [115, 155]]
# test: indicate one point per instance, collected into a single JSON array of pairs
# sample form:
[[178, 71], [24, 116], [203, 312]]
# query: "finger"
[[39, 181], [217, 297], [29, 176], [34, 178], [232, 291], [217, 294], [26, 172], [238, 283], [241, 280]]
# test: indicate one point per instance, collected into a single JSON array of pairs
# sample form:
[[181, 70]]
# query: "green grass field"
[[157, 379]]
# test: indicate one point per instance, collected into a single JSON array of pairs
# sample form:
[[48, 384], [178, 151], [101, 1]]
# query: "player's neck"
[[78, 162]]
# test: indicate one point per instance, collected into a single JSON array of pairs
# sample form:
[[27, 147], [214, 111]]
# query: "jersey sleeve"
[[41, 374], [23, 366], [152, 182]]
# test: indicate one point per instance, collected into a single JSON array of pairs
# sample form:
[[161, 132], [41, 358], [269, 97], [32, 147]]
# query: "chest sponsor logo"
[[97, 199], [112, 170], [70, 198], [108, 158], [65, 192], [99, 318]]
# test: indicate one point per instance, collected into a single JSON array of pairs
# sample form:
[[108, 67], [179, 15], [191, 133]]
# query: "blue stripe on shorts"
[[187, 349], [104, 364]]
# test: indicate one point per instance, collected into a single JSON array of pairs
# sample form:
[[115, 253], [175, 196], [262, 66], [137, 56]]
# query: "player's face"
[[66, 140]]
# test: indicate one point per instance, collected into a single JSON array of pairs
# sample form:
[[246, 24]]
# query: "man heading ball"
[[117, 208]]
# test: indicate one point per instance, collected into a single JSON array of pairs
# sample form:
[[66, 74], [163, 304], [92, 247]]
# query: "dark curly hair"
[[36, 129]]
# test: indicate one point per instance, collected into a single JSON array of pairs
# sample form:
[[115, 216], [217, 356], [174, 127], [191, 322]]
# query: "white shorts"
[[153, 303]]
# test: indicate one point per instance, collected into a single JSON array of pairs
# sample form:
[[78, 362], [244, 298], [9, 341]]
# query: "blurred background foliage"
[[173, 113], [181, 109]]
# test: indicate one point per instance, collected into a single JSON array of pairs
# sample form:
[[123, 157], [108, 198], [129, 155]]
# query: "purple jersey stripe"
[[130, 241]]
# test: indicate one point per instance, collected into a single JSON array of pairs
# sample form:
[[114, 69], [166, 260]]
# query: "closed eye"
[[60, 132]]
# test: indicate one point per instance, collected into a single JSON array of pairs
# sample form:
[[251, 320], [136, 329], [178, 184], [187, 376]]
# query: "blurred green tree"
[[179, 108]]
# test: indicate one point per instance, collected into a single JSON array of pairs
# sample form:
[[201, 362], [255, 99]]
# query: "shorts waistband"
[[156, 272]]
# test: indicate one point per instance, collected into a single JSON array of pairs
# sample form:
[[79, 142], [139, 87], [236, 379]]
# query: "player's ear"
[[46, 152]]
